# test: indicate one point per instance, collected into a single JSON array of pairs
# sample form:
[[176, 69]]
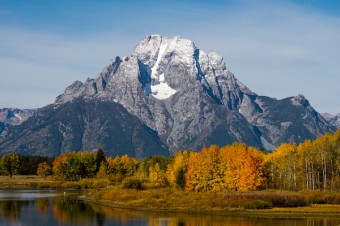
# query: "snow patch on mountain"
[[162, 90], [160, 55]]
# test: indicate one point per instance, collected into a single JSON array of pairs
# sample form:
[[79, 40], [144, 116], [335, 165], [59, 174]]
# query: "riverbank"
[[252, 204], [28, 182], [314, 210], [50, 182]]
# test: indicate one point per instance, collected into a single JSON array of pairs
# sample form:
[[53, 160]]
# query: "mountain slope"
[[83, 125], [189, 99], [14, 116], [288, 120], [2, 126], [332, 119]]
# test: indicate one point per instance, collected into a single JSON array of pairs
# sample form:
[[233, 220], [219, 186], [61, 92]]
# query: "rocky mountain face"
[[84, 125], [14, 116], [2, 127], [332, 119], [186, 98]]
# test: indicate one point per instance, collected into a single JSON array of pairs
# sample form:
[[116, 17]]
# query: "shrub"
[[43, 186], [288, 200], [314, 197], [102, 183], [130, 182], [258, 204], [71, 185], [86, 183], [33, 185], [275, 199], [94, 183], [322, 197]]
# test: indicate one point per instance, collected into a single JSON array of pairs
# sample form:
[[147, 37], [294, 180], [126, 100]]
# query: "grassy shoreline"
[[29, 182], [169, 200], [314, 210], [177, 201]]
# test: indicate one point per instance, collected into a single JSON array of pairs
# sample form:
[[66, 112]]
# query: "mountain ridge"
[[15, 116], [190, 99], [332, 119]]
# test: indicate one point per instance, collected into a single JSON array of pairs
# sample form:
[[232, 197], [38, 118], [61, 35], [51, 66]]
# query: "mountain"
[[84, 125], [14, 116], [332, 119], [184, 97]]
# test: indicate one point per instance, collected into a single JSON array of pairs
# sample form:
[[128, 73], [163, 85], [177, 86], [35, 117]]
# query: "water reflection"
[[68, 210], [131, 217], [11, 209], [71, 210], [43, 205]]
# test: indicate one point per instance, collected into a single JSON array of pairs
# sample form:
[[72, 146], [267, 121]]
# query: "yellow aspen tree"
[[192, 176], [177, 169], [251, 173]]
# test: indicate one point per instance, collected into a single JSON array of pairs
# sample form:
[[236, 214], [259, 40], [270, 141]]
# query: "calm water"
[[49, 208]]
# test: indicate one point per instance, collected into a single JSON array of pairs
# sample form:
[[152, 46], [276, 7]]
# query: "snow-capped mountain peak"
[[189, 98]]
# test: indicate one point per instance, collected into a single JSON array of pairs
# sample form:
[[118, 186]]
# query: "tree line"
[[11, 164], [311, 165]]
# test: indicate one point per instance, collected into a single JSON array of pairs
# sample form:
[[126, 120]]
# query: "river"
[[55, 208]]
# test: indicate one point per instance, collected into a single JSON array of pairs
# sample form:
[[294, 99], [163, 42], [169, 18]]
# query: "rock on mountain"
[[2, 127], [14, 116], [187, 97], [332, 119]]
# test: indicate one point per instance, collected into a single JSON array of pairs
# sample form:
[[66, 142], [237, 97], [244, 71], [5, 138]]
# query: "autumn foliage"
[[44, 169], [311, 165], [236, 167], [75, 166]]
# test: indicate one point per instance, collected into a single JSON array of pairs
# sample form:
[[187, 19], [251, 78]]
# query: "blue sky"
[[276, 48]]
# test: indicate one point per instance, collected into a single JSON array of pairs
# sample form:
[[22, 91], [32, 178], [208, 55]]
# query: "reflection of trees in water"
[[119, 216], [10, 210], [43, 205], [206, 220], [321, 221], [187, 220], [100, 219], [127, 216], [71, 210]]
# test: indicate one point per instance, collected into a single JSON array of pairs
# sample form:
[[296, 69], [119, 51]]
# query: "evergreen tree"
[[100, 157]]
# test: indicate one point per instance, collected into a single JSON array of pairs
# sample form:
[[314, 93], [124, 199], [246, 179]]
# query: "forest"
[[311, 165]]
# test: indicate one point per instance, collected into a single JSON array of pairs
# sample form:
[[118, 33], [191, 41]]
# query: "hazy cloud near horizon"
[[278, 50]]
